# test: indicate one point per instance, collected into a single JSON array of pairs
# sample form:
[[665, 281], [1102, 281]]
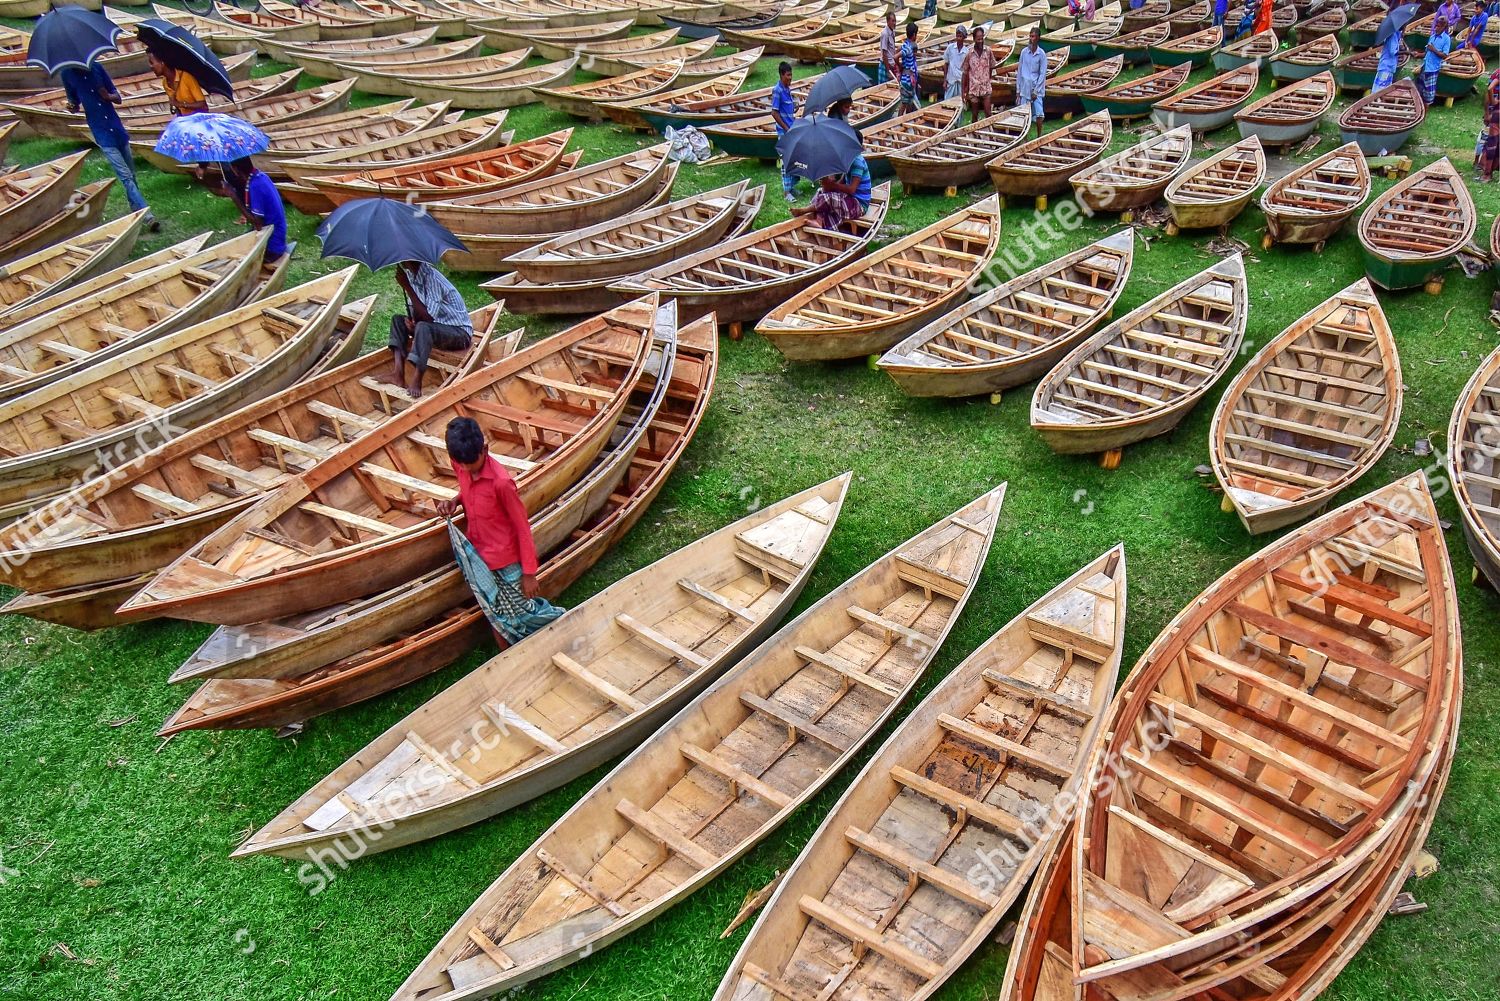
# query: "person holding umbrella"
[[828, 150], [783, 113], [1031, 78], [182, 88], [1392, 43], [259, 201], [978, 78], [68, 41]]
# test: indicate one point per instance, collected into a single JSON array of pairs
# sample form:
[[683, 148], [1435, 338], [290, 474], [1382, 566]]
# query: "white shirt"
[[953, 59]]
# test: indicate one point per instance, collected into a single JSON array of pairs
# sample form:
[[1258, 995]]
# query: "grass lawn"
[[116, 881]]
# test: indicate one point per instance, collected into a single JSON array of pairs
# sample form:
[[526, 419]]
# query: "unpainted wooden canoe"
[[1472, 465], [871, 303], [1211, 193], [938, 835], [77, 427], [1043, 165], [1141, 375], [1313, 201], [957, 158], [1135, 176], [1016, 331], [361, 520], [1312, 412], [581, 100], [29, 196], [64, 265], [1134, 98], [84, 206], [740, 757]]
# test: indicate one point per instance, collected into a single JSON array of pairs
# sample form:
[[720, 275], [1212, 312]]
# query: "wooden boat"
[[1003, 80], [1356, 71], [751, 758], [1304, 662], [957, 158], [1189, 19], [20, 79], [1134, 98], [703, 68], [988, 758], [1195, 49], [340, 22], [617, 680], [242, 703], [29, 196], [594, 294], [262, 112], [1255, 50], [756, 137], [1311, 413], [491, 91], [1135, 47], [419, 619], [1140, 376], [1209, 105], [1290, 114], [1211, 193], [897, 135], [336, 66], [142, 515], [1064, 96], [563, 201], [506, 39], [1135, 176], [634, 113], [718, 279], [1079, 39], [55, 436], [1302, 61], [1311, 203], [1363, 32], [634, 243], [1411, 232], [1461, 71], [870, 304], [1381, 122], [55, 340], [564, 42], [1328, 24], [1146, 14], [341, 48], [1043, 165], [6, 130], [315, 541], [1471, 467], [55, 269], [770, 37], [685, 53], [581, 99], [1016, 331], [628, 43], [455, 176], [84, 205]]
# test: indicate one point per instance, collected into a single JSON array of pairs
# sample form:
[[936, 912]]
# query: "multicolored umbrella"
[[378, 232], [211, 138], [182, 50], [70, 36]]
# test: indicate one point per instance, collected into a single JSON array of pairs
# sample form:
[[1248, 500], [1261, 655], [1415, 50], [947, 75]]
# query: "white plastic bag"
[[688, 145]]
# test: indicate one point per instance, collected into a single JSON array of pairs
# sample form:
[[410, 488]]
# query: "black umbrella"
[[1397, 19], [378, 232], [817, 146], [182, 50], [838, 84], [70, 36]]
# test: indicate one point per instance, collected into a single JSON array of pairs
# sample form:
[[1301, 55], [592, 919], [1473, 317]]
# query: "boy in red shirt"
[[500, 531]]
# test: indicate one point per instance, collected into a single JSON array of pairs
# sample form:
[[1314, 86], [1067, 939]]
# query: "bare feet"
[[398, 368], [414, 387]]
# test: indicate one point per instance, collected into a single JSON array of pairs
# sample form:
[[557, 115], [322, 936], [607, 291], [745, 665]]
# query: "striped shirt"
[[438, 296]]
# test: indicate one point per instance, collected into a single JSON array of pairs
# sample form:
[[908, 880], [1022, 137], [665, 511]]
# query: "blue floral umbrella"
[[70, 37], [211, 138]]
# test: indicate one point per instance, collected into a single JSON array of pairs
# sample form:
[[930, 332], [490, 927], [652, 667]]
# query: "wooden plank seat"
[[797, 724], [870, 938], [965, 806], [286, 450], [660, 641], [667, 836], [505, 719], [599, 685], [410, 484], [739, 779], [170, 503], [357, 522]]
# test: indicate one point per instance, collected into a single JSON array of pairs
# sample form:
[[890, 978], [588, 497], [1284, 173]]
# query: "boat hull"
[[1212, 216], [1395, 275], [1377, 143], [1298, 229]]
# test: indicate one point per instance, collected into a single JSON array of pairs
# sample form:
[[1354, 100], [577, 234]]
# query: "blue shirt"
[[1031, 72], [265, 201], [1443, 43], [784, 104], [83, 87], [860, 170], [909, 58]]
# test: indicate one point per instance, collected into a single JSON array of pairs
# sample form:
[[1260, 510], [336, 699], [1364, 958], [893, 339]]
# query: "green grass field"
[[116, 881]]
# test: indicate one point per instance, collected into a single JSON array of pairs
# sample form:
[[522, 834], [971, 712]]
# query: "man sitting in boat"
[[841, 198], [499, 531], [436, 317]]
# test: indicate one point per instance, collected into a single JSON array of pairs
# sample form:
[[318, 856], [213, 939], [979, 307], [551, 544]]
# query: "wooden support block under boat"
[[1310, 413], [944, 827]]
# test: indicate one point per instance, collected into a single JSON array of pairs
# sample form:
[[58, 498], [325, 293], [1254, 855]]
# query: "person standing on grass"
[[436, 318], [954, 54], [929, 9], [497, 526], [888, 69], [1487, 154], [1450, 11], [910, 98], [93, 92], [783, 111], [1031, 78], [978, 78], [1438, 48], [1390, 59], [259, 201], [1221, 10]]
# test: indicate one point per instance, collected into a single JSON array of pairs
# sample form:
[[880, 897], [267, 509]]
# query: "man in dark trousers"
[[436, 317]]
